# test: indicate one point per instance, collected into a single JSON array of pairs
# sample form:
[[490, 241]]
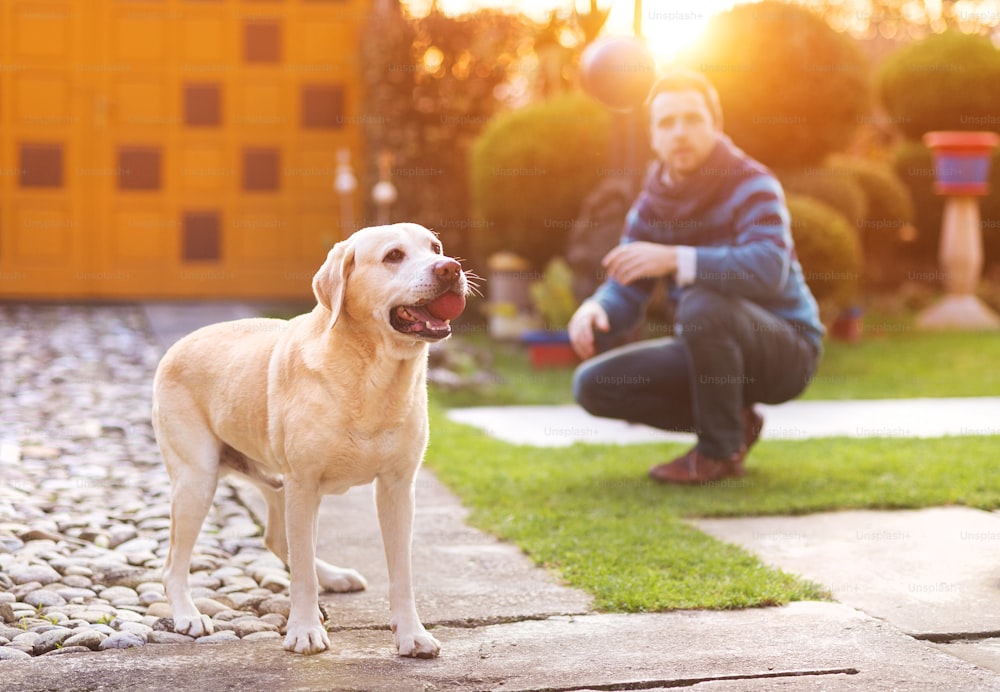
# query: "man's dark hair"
[[679, 79]]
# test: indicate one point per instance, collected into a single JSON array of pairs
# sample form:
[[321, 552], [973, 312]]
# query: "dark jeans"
[[729, 353]]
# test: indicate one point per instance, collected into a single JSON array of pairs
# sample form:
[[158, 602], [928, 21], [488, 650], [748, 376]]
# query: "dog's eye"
[[436, 247], [394, 255]]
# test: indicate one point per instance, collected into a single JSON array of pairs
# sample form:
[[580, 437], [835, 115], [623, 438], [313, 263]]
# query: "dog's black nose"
[[447, 269]]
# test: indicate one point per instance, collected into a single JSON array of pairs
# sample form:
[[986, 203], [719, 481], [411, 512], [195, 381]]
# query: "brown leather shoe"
[[694, 468]]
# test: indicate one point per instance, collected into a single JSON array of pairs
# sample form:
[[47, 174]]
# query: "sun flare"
[[668, 26]]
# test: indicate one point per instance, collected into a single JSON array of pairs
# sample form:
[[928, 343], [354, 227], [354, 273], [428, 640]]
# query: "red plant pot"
[[549, 349], [962, 161]]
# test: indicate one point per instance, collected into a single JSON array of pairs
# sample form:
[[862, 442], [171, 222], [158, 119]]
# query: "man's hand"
[[640, 260], [588, 317]]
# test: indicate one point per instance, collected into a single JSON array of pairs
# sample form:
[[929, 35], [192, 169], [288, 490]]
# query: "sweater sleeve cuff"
[[687, 260]]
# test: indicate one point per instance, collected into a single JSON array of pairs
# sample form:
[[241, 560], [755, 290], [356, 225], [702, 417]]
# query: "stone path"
[[84, 497], [560, 426], [932, 573]]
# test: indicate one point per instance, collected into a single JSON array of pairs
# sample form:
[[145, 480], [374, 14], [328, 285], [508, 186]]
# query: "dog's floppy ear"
[[330, 281]]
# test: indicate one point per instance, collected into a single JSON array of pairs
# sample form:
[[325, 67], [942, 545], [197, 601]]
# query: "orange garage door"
[[172, 148]]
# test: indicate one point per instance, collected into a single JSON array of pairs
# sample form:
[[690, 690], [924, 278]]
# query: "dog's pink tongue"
[[446, 306]]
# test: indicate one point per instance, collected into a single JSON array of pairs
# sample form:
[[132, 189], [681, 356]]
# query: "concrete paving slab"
[[802, 646], [461, 576], [560, 426], [933, 573], [985, 653]]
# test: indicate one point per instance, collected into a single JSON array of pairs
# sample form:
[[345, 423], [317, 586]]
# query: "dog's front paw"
[[310, 639], [196, 625], [339, 579], [417, 644]]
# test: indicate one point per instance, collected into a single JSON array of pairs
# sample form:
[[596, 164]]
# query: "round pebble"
[[158, 637], [128, 616], [138, 545], [44, 598], [78, 571], [43, 574], [9, 633], [275, 619], [50, 640], [26, 639], [8, 653], [88, 638], [218, 638], [77, 581], [71, 592], [150, 597], [119, 595], [160, 609], [148, 586], [228, 615], [205, 581], [279, 604], [252, 626], [135, 628], [210, 607], [122, 640]]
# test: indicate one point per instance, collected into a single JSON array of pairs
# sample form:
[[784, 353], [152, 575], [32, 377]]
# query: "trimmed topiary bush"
[[946, 81], [792, 89], [888, 219], [828, 249], [834, 187], [888, 202], [531, 169], [915, 166]]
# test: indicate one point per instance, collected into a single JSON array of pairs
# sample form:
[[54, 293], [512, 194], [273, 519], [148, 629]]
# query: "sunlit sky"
[[667, 25]]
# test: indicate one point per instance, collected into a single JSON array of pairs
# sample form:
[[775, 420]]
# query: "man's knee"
[[590, 391], [583, 386], [701, 311]]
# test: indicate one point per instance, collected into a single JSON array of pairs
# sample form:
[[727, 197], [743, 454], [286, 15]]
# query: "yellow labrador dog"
[[328, 400]]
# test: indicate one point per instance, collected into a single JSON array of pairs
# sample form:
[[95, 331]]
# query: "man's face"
[[683, 133]]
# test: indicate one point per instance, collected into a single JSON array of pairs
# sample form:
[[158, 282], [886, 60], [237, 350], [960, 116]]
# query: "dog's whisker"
[[473, 281]]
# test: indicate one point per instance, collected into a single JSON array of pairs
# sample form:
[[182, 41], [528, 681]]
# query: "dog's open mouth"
[[417, 321]]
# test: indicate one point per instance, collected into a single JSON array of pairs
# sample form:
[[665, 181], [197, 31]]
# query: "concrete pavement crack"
[[690, 682]]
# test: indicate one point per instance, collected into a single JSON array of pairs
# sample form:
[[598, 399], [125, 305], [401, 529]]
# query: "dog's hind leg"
[[339, 579], [331, 577], [192, 461]]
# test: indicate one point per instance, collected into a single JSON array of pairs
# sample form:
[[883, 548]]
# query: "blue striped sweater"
[[732, 212]]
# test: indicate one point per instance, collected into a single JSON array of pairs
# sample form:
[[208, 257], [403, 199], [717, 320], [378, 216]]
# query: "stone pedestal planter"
[[962, 164]]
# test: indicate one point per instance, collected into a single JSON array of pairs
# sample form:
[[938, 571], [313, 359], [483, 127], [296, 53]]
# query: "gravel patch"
[[84, 498]]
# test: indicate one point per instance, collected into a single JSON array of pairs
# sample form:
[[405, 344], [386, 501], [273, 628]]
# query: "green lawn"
[[588, 512], [892, 365], [893, 361]]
